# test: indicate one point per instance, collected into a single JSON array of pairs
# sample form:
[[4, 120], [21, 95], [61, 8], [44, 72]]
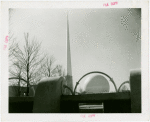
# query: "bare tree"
[[12, 45], [16, 71], [60, 70], [49, 69], [48, 66], [29, 59]]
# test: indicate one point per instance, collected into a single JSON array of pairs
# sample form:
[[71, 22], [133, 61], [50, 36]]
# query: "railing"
[[102, 73], [49, 100], [113, 102]]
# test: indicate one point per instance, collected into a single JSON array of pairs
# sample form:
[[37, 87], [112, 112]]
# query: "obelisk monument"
[[69, 68]]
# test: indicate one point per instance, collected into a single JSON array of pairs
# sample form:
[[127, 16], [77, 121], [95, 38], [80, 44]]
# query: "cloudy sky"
[[106, 40]]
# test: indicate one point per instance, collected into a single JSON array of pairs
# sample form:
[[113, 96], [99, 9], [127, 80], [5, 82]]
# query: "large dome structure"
[[95, 84]]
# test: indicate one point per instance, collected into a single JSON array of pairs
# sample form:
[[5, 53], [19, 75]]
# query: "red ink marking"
[[114, 3], [92, 115], [106, 4], [6, 39], [5, 46]]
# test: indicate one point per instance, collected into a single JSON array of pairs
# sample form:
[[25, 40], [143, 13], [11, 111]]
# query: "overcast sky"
[[106, 40]]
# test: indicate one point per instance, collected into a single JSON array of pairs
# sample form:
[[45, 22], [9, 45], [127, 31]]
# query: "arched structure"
[[123, 84], [92, 73]]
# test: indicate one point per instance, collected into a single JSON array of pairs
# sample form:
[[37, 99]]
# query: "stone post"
[[135, 84], [47, 95]]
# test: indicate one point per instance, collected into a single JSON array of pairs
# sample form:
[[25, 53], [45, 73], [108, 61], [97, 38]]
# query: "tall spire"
[[69, 68]]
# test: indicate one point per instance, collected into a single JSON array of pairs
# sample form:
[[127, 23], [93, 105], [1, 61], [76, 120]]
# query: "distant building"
[[95, 84]]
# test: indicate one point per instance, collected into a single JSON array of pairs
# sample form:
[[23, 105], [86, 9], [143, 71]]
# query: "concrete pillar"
[[47, 95], [135, 86]]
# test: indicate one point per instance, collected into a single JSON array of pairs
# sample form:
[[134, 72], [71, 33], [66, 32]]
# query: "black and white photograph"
[[85, 61], [59, 56]]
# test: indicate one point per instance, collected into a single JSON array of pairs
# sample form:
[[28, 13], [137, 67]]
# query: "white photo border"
[[76, 117]]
